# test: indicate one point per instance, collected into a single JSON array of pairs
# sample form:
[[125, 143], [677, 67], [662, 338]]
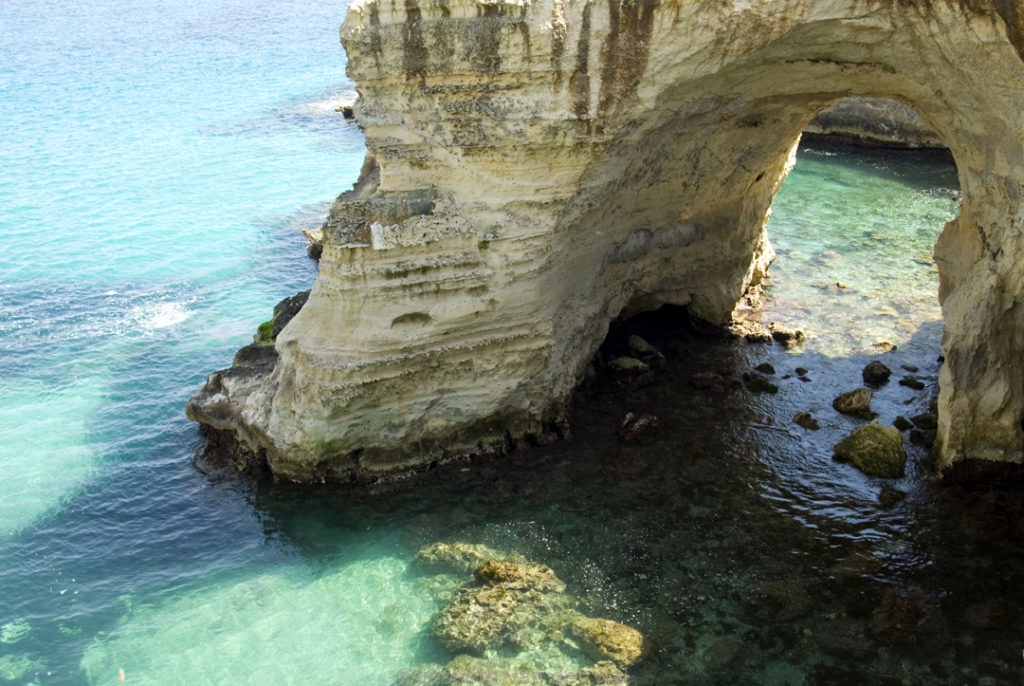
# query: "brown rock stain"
[[625, 52]]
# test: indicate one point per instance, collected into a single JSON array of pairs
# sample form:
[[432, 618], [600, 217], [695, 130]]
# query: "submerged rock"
[[515, 604], [856, 403], [605, 639], [519, 574], [778, 600], [845, 637], [638, 428], [805, 420], [874, 449], [459, 558], [909, 616], [756, 383]]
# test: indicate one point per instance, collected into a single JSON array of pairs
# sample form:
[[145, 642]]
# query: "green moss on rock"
[[874, 449]]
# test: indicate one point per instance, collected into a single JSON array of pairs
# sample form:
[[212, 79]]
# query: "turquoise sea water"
[[158, 161]]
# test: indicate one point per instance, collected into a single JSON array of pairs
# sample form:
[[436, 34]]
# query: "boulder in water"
[[604, 639], [874, 449], [856, 403]]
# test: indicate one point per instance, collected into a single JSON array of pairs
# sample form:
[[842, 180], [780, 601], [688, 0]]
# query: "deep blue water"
[[158, 162]]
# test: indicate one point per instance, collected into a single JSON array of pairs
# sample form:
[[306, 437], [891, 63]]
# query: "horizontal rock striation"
[[536, 169]]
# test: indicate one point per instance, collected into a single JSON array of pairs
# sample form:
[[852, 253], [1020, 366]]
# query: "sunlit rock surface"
[[535, 170]]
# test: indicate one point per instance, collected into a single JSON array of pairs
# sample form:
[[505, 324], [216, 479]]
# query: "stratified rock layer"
[[536, 169]]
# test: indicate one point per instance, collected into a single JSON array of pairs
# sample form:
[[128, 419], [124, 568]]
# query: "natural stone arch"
[[536, 169]]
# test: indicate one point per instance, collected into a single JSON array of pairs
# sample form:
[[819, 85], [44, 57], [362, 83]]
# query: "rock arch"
[[535, 169]]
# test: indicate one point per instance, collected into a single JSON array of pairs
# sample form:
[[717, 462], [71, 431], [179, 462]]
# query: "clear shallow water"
[[158, 164]]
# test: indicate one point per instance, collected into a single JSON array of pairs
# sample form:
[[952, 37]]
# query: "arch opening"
[[854, 228]]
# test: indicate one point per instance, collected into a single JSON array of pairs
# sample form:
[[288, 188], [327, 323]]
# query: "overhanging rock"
[[535, 169]]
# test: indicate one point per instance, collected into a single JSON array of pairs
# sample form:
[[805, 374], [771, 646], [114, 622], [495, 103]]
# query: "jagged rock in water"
[[805, 420], [778, 600], [856, 403], [639, 428], [874, 449], [519, 605], [455, 558], [909, 616], [517, 573], [538, 169], [876, 373], [845, 637], [605, 639]]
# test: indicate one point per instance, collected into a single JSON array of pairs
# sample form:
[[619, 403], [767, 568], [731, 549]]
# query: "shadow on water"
[[731, 538]]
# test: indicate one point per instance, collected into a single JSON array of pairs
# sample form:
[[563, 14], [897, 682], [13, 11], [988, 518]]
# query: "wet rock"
[[876, 373], [874, 449], [752, 332], [765, 368], [922, 438], [639, 428], [466, 670], [623, 463], [521, 605], [912, 382], [473, 620], [902, 423], [723, 652], [884, 346], [888, 497], [704, 380], [913, 369], [991, 614], [926, 421], [856, 403], [778, 601], [909, 616], [630, 372], [805, 420], [855, 567], [604, 639], [801, 372], [627, 367], [755, 383], [519, 574], [845, 637], [452, 558], [646, 352], [604, 673], [786, 336]]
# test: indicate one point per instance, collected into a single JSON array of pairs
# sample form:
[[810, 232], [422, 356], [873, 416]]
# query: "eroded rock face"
[[536, 169]]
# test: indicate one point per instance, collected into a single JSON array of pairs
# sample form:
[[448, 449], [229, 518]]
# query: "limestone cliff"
[[537, 168]]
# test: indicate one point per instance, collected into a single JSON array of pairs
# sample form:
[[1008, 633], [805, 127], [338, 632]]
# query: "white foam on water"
[[158, 315]]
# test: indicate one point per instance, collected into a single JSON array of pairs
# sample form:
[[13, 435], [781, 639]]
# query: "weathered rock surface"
[[876, 373], [856, 403], [520, 605], [453, 558], [536, 169], [875, 121], [874, 449], [605, 639]]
